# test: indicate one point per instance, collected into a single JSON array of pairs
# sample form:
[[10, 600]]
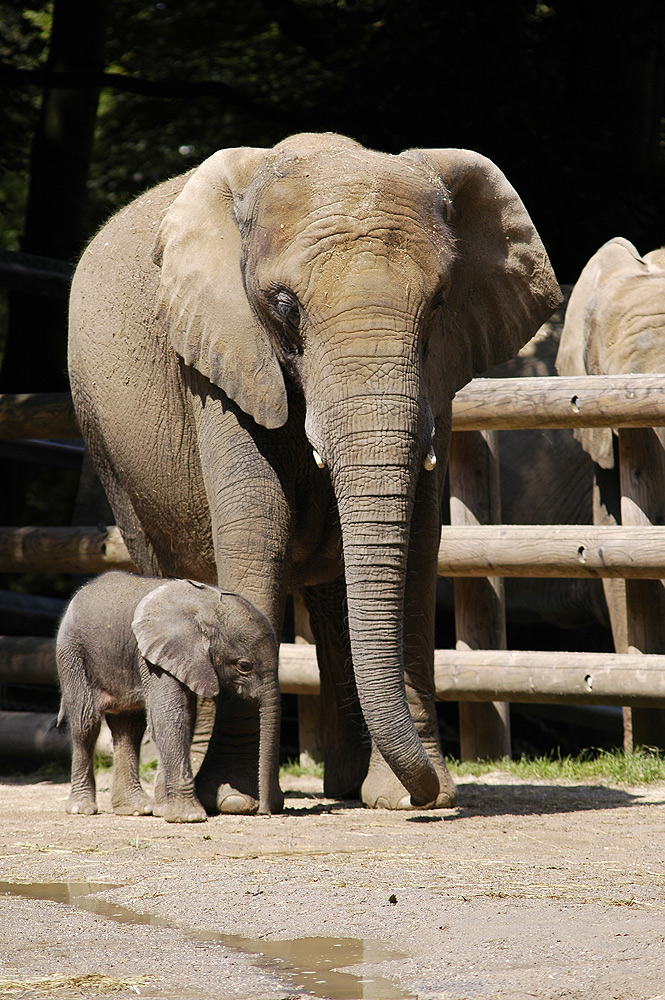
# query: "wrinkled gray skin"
[[615, 325], [317, 296], [130, 646]]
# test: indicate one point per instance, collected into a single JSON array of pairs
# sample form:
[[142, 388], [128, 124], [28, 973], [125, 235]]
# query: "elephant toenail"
[[236, 803]]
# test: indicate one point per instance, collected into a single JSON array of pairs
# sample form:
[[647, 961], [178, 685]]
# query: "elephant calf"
[[130, 647]]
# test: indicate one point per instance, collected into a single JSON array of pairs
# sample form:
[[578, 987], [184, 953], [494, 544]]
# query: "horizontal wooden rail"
[[32, 734], [563, 678], [461, 675], [511, 403], [530, 550], [516, 675], [44, 415], [63, 550], [27, 659], [540, 550], [582, 401]]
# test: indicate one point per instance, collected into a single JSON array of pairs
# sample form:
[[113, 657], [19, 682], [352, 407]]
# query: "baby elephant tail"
[[62, 716]]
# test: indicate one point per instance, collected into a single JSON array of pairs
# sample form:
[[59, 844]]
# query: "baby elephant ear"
[[168, 628], [202, 300]]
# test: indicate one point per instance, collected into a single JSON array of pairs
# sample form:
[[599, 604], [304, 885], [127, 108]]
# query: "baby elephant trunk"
[[270, 796]]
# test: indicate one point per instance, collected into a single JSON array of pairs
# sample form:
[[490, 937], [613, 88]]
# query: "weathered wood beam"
[[550, 677], [32, 734], [27, 660], [37, 415], [498, 404], [516, 675], [63, 550], [540, 550], [480, 607], [461, 675], [582, 401]]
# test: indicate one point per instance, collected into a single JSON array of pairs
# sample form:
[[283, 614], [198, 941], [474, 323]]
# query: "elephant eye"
[[285, 308], [244, 666], [286, 304], [439, 302]]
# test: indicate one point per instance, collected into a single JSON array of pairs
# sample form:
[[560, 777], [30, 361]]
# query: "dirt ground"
[[524, 890]]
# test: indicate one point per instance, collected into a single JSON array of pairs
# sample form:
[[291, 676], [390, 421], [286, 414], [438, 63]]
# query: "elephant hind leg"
[[227, 781], [84, 721], [138, 544], [127, 797], [344, 736]]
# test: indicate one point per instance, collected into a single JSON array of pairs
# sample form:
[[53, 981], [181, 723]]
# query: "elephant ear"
[[615, 259], [171, 632], [503, 286], [202, 300]]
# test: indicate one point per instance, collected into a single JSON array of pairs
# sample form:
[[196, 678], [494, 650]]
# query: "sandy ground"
[[524, 890]]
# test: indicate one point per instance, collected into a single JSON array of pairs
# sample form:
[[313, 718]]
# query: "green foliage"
[[296, 769], [615, 767]]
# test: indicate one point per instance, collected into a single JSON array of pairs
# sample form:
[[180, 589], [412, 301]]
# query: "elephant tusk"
[[429, 462], [317, 458]]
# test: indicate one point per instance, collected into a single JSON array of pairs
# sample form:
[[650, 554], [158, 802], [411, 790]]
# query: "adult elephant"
[[615, 325], [262, 356]]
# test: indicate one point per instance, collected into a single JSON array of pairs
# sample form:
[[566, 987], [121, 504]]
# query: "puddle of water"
[[307, 965]]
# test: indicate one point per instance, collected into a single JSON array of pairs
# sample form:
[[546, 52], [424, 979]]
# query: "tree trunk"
[[35, 357]]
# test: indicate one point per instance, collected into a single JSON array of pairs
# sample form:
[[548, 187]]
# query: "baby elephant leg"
[[127, 796], [171, 714], [84, 719], [82, 798]]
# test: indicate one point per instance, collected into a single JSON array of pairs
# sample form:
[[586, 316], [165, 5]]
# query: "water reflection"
[[308, 965]]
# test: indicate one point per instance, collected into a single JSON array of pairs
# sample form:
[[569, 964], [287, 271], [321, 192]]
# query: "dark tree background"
[[566, 97]]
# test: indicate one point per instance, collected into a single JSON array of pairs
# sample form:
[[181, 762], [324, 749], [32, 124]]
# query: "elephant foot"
[[382, 789], [229, 800], [183, 811], [238, 794], [174, 808], [134, 805], [81, 806]]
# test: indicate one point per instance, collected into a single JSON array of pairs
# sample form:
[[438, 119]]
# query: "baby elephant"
[[130, 646]]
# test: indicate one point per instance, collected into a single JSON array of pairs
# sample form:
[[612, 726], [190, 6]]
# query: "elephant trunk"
[[270, 796], [374, 477]]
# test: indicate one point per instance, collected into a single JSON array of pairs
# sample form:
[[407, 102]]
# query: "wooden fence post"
[[642, 473], [480, 618], [309, 706]]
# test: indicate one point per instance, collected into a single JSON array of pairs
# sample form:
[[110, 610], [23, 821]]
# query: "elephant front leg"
[[171, 714], [251, 521]]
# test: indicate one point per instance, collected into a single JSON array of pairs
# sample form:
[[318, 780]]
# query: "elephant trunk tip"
[[428, 789]]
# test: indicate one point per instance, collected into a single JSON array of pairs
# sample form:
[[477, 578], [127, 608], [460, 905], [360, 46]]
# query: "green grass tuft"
[[298, 769], [617, 767]]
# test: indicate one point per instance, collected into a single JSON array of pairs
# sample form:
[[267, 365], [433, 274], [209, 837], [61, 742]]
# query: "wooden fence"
[[477, 551]]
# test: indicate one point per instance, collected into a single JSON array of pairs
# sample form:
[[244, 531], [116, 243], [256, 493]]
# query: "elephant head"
[[614, 325], [374, 287], [210, 640]]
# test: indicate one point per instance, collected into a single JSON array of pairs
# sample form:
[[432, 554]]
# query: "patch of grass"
[[103, 761], [148, 770], [104, 766], [298, 769], [616, 767]]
